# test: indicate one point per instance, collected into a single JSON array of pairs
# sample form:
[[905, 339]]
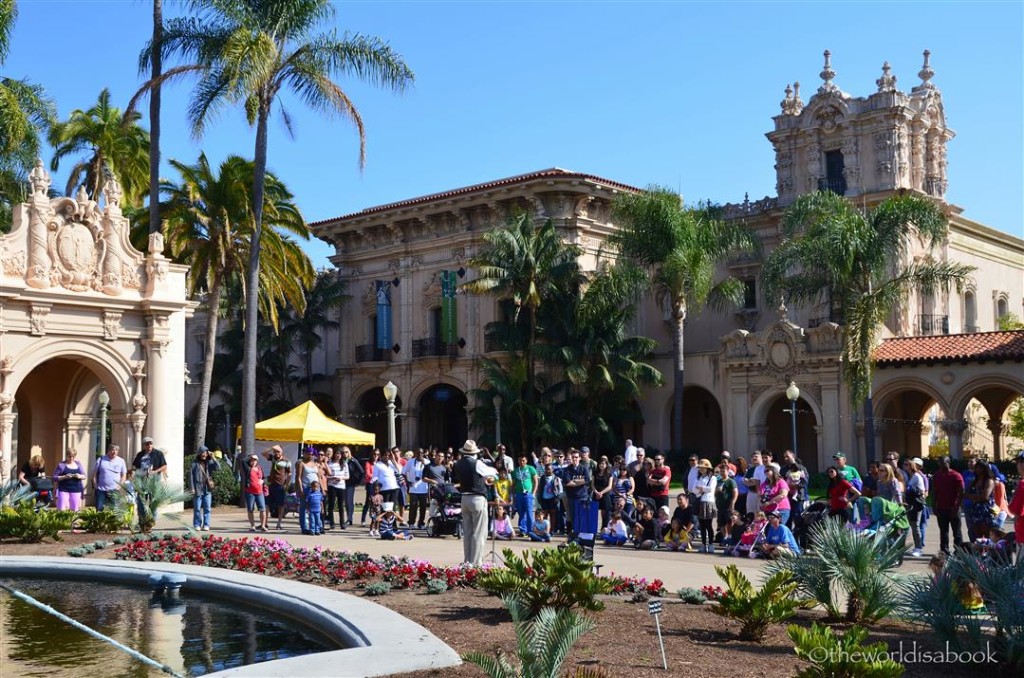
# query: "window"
[[371, 330], [834, 179], [1002, 307], [749, 294], [970, 313], [435, 323]]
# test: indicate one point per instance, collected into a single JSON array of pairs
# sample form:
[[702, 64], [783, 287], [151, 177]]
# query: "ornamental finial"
[[926, 73], [827, 74], [886, 83]]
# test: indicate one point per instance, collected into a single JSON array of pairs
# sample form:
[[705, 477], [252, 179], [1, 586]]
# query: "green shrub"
[[835, 656], [24, 523], [436, 586], [378, 588], [104, 522], [558, 578], [841, 561], [755, 609], [76, 552], [100, 545], [120, 540], [691, 596], [13, 493], [543, 641]]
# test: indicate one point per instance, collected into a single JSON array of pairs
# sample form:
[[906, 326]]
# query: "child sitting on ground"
[[541, 527], [677, 538], [966, 591], [502, 525], [388, 524], [376, 508], [314, 507], [616, 533], [745, 547], [731, 531]]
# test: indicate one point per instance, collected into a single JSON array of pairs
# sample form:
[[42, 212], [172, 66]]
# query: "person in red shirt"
[[839, 494], [658, 482], [947, 495], [1017, 508]]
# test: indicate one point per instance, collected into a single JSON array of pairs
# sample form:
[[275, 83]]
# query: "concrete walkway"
[[676, 570]]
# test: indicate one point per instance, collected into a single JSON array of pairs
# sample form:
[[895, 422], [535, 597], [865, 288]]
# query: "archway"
[[702, 423], [57, 406], [372, 416], [909, 421], [779, 433], [442, 419]]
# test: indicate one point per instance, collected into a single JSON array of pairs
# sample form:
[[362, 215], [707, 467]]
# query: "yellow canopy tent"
[[307, 424]]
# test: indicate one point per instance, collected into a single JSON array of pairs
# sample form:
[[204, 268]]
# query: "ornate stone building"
[[737, 364], [83, 313]]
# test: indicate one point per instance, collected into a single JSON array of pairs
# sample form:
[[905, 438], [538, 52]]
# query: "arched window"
[[970, 313]]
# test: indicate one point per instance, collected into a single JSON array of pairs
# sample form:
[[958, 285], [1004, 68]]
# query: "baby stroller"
[[45, 494], [446, 517], [888, 522], [814, 514], [751, 540]]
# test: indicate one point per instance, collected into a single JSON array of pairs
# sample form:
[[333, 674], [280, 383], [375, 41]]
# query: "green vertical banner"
[[449, 314]]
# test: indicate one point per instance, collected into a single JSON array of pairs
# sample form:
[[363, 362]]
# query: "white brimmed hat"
[[470, 448]]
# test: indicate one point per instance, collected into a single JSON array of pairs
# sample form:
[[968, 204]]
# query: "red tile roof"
[[552, 173], [980, 347]]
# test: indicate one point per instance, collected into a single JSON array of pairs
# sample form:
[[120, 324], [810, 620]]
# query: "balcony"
[[972, 329], [368, 353], [493, 343], [932, 325], [433, 346], [835, 184]]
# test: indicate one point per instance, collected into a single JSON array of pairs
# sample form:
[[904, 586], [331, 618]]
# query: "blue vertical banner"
[[449, 315], [383, 314]]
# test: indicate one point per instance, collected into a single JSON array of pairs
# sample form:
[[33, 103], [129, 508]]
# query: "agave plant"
[[152, 494], [542, 642], [13, 493], [844, 562]]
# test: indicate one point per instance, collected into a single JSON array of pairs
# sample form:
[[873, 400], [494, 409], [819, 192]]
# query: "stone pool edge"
[[383, 641]]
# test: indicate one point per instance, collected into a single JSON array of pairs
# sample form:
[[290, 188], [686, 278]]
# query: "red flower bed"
[[628, 585]]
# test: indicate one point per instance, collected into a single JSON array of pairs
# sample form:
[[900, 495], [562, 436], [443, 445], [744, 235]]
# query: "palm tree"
[[156, 70], [115, 145], [25, 113], [209, 224], [526, 264], [862, 262], [682, 249], [249, 52]]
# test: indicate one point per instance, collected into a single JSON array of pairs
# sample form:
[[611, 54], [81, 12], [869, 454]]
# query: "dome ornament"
[[792, 104], [926, 73], [827, 74], [886, 83]]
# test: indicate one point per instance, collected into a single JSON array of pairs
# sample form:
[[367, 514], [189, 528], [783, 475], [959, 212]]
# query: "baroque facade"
[[85, 317]]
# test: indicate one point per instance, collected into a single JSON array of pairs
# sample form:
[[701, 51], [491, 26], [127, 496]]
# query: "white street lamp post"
[[104, 399], [793, 393], [390, 393], [497, 420]]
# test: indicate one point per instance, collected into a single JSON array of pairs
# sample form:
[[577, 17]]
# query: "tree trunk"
[[678, 324], [154, 120], [252, 287], [212, 320], [869, 430]]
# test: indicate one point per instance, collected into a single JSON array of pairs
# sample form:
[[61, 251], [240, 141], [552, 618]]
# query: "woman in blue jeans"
[[202, 472]]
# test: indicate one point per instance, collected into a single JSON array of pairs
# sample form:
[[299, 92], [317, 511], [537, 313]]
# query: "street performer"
[[473, 478]]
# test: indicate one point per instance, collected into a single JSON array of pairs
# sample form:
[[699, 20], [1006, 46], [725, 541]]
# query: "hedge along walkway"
[[676, 570]]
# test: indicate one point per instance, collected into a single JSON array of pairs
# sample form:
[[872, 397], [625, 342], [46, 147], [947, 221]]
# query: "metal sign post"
[[654, 608]]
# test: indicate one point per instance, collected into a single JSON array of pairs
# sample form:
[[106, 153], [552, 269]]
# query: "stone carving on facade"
[[851, 159], [369, 300], [111, 325], [792, 104], [37, 320], [886, 83], [926, 74], [416, 260], [814, 169], [885, 156], [394, 265], [13, 263], [582, 207], [112, 192], [827, 75], [783, 171], [825, 338], [39, 178], [735, 344], [748, 208], [458, 254], [755, 390]]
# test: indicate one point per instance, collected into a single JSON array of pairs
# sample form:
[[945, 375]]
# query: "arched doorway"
[[372, 416], [58, 409], [779, 434], [442, 420], [910, 423], [702, 423]]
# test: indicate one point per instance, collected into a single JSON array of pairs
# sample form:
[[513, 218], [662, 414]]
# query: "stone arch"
[[370, 412], [1001, 383], [113, 369], [901, 407], [425, 385], [773, 431], [886, 393], [441, 414], [703, 431]]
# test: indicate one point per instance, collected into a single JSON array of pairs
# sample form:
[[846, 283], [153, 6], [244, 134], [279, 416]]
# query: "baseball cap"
[[147, 439], [917, 462], [202, 448], [585, 449], [839, 455]]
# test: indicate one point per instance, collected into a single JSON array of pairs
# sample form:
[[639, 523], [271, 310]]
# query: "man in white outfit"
[[473, 477], [630, 454]]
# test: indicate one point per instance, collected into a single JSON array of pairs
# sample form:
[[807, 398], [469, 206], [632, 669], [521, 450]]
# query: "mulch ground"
[[624, 642]]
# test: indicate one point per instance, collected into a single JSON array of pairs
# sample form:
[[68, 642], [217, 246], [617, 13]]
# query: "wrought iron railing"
[[493, 343], [835, 184], [929, 325], [971, 329], [432, 346], [368, 353]]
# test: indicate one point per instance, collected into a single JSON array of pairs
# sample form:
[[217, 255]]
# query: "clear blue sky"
[[674, 93]]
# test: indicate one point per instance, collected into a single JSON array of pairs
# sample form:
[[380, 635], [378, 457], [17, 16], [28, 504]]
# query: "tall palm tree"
[[156, 70], [209, 223], [862, 262], [114, 145], [26, 113], [248, 53], [527, 264], [682, 249]]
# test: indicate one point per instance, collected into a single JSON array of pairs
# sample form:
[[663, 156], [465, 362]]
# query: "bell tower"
[[857, 146]]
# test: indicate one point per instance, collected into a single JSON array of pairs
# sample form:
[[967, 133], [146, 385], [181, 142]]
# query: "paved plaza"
[[675, 569]]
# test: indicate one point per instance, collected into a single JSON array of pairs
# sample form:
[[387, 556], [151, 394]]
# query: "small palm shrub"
[[24, 523], [559, 578], [691, 596], [436, 586], [154, 494], [755, 609], [377, 588], [842, 562], [104, 522], [935, 601], [841, 656], [543, 641], [13, 493]]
